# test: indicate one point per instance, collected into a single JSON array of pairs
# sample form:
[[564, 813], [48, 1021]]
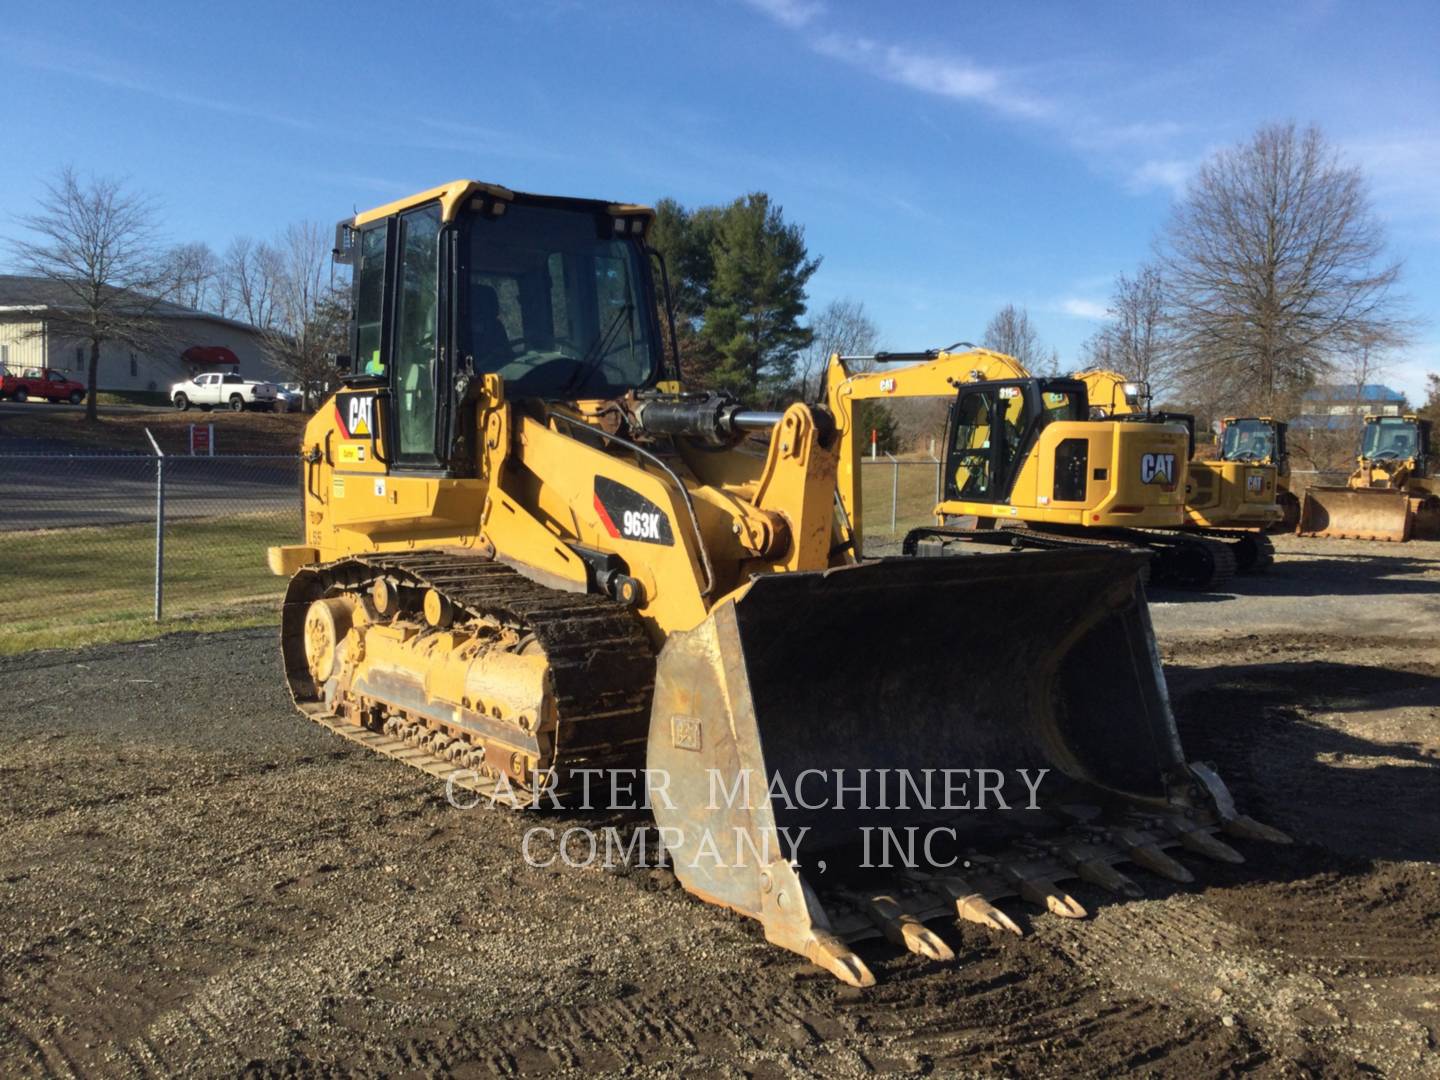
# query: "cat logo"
[[1157, 469], [361, 414]]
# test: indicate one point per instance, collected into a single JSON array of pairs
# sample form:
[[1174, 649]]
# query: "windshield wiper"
[[591, 360]]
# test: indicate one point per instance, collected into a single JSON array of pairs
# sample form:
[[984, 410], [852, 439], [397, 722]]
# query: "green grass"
[[916, 498], [132, 397], [74, 587]]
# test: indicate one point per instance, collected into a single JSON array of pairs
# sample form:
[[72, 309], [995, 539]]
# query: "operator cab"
[[993, 426], [1396, 438], [1252, 441], [553, 295]]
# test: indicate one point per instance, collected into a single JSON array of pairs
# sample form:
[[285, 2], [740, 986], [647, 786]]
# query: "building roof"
[[22, 295], [1351, 392]]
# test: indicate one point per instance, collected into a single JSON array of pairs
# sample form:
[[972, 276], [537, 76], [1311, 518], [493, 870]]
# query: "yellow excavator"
[[1393, 493], [1232, 500], [1028, 463], [531, 562]]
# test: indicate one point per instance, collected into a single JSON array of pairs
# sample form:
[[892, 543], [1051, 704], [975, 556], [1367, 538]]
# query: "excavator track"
[[1254, 551], [599, 677], [1180, 560]]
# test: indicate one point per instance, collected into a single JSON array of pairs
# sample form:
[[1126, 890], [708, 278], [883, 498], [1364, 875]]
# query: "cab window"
[[370, 300], [416, 318]]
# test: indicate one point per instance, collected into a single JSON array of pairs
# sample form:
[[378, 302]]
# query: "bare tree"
[[1431, 409], [1276, 268], [194, 278], [1011, 332], [842, 327], [306, 318], [1137, 340], [249, 278], [95, 242]]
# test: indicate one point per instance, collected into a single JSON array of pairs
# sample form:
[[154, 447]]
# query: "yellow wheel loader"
[[1028, 464], [1393, 493], [1233, 499], [535, 568]]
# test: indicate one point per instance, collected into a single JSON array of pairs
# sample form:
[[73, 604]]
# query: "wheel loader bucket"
[[835, 745], [1356, 513]]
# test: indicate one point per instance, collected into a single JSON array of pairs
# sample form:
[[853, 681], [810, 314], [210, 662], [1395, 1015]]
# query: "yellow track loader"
[[1026, 461], [1393, 493], [530, 561], [1235, 499], [1248, 441]]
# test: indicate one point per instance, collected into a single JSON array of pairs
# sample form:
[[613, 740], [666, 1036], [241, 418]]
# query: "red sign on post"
[[202, 440]]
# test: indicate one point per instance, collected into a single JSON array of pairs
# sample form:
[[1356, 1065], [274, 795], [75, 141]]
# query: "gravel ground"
[[195, 880]]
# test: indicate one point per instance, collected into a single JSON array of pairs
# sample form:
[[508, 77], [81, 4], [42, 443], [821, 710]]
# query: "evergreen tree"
[[737, 276]]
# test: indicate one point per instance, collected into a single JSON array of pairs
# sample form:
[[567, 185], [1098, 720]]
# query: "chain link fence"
[[96, 546], [897, 494]]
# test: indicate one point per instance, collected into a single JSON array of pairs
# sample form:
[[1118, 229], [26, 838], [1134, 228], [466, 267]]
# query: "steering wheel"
[[1246, 455], [1386, 455]]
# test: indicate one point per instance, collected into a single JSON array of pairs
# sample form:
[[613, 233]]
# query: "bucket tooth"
[[971, 905], [904, 929], [795, 919], [1143, 853], [1196, 839], [1046, 893], [825, 950], [1099, 872], [1247, 828]]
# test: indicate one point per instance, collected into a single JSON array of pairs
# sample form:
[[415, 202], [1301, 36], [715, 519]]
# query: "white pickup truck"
[[223, 388]]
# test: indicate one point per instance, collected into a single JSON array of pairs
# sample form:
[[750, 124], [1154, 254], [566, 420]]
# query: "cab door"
[[387, 458], [358, 453], [989, 429]]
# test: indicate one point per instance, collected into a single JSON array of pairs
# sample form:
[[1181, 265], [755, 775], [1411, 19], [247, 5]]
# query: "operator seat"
[[491, 343]]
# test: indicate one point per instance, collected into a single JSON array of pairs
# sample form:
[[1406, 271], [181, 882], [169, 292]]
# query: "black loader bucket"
[[848, 753]]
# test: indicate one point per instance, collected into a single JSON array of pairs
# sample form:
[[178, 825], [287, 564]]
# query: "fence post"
[[159, 527], [894, 487], [939, 478]]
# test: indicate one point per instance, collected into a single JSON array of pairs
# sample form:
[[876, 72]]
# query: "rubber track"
[[601, 662]]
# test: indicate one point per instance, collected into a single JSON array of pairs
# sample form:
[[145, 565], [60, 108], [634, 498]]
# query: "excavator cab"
[[993, 427]]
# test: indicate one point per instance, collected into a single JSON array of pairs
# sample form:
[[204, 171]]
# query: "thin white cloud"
[[77, 63], [1084, 309], [1168, 174], [952, 77], [1402, 169], [1010, 91], [791, 13]]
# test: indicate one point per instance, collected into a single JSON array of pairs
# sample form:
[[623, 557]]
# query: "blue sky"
[[944, 158]]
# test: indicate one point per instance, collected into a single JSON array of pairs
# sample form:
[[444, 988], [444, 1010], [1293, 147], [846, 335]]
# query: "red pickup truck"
[[47, 383]]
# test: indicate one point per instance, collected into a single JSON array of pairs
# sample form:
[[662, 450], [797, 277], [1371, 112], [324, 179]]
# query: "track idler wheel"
[[326, 624], [1254, 553]]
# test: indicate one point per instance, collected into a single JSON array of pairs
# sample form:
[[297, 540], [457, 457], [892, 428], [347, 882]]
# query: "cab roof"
[[453, 195]]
